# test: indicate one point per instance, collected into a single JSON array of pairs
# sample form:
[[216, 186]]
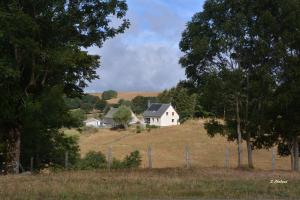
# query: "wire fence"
[[184, 157]]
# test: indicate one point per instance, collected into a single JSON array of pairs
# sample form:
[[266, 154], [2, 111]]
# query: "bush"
[[92, 160], [117, 164], [138, 129], [97, 160], [133, 160], [151, 126]]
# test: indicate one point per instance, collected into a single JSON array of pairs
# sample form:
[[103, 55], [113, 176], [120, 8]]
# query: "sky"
[[145, 57]]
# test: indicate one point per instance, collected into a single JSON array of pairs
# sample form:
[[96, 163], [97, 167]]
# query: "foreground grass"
[[155, 184]]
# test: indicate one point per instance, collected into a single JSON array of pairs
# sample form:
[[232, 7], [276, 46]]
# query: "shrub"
[[133, 160], [117, 164], [151, 126], [97, 160], [92, 160], [138, 129]]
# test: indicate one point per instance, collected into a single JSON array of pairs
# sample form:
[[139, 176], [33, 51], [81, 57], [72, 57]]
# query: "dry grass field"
[[168, 146], [128, 95], [204, 183]]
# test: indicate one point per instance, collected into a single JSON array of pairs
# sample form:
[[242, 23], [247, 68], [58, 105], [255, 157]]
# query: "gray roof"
[[111, 112], [156, 110]]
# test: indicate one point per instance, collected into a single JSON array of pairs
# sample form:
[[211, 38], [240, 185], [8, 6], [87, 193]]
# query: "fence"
[[185, 157]]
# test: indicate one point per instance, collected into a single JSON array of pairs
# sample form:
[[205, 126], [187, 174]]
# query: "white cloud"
[[145, 57]]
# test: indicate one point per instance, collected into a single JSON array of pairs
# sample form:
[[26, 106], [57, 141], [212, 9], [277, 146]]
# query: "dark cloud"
[[145, 58]]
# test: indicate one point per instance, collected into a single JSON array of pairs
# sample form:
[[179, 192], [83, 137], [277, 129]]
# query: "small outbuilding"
[[92, 122]]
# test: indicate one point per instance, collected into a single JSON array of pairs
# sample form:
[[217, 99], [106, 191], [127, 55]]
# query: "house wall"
[[166, 119], [134, 119], [93, 123], [155, 121]]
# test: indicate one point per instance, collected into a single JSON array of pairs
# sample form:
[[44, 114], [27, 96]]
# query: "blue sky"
[[145, 57]]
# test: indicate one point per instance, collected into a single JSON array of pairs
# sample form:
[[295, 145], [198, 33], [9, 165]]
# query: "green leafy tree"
[[123, 102], [122, 116], [140, 103], [101, 104], [73, 103], [78, 116], [228, 64], [109, 94], [42, 46], [181, 99]]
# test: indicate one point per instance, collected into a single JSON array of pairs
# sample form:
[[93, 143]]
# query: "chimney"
[[149, 103]]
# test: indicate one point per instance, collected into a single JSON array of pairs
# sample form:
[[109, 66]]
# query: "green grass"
[[199, 183]]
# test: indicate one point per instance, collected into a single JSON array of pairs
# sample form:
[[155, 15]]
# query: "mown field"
[[168, 146], [204, 183], [128, 96]]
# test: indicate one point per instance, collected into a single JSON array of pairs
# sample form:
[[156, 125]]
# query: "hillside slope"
[[168, 146], [128, 95]]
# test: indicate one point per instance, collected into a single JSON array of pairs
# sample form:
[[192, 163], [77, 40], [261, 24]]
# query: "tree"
[[218, 44], [182, 100], [101, 104], [42, 46], [140, 103], [123, 102], [122, 116], [78, 116], [109, 94]]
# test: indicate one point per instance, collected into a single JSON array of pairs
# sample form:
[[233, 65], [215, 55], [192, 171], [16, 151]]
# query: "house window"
[[167, 113], [172, 113], [157, 119], [172, 120]]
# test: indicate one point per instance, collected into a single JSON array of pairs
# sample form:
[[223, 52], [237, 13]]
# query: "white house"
[[92, 122], [109, 121], [161, 115]]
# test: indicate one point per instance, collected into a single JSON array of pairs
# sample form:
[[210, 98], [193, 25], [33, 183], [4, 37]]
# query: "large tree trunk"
[[249, 151], [14, 150], [238, 121], [296, 153]]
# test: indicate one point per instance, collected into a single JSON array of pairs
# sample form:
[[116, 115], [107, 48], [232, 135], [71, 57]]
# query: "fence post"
[[31, 164], [109, 157], [66, 160], [227, 157], [187, 157], [149, 156], [273, 159]]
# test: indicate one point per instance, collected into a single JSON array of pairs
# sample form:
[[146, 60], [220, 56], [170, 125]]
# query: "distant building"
[[92, 122], [161, 115], [109, 121]]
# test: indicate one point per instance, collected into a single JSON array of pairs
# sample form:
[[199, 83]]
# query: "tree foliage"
[[242, 57], [109, 94], [42, 46], [122, 116], [140, 103], [183, 102]]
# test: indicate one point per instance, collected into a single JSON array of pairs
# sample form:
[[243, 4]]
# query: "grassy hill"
[[128, 95], [168, 146]]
